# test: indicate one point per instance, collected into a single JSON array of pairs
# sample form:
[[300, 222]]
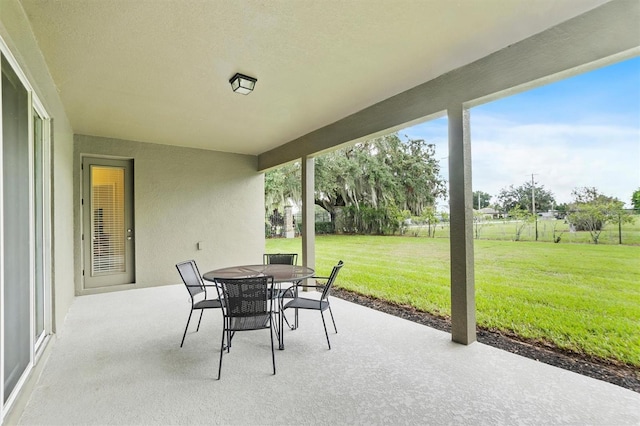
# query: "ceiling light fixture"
[[242, 84]]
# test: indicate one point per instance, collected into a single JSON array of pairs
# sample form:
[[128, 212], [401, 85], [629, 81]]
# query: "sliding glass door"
[[25, 281], [15, 228]]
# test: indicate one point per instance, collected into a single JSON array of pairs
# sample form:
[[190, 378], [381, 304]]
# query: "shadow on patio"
[[117, 360]]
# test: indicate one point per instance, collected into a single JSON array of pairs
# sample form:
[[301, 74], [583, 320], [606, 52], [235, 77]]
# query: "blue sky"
[[581, 131]]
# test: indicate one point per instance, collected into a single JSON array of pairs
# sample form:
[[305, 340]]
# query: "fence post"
[[619, 229]]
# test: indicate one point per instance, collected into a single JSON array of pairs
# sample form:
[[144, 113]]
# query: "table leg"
[[280, 319], [295, 316]]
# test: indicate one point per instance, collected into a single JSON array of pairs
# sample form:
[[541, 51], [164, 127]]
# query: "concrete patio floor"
[[117, 361]]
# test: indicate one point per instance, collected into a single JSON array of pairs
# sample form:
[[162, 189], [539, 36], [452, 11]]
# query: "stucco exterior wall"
[[183, 196], [16, 32]]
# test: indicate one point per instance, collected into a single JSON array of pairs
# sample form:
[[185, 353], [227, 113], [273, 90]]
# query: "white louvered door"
[[108, 235]]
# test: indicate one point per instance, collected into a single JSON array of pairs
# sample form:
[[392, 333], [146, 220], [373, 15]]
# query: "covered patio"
[[143, 87], [118, 361]]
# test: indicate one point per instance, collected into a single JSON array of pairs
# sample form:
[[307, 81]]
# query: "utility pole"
[[533, 203]]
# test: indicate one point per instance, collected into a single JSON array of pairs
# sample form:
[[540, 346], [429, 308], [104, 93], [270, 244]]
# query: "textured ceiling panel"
[[158, 71]]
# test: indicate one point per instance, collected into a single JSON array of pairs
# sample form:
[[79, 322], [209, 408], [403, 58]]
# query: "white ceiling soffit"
[[158, 71]]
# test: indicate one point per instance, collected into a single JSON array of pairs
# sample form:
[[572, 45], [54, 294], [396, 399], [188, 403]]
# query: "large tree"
[[481, 200], [377, 180], [282, 186], [512, 196], [375, 183], [592, 211]]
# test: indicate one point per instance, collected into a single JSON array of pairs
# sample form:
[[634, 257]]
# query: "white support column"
[[308, 212], [463, 309]]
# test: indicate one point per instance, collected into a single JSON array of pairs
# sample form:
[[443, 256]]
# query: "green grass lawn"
[[580, 297], [547, 230]]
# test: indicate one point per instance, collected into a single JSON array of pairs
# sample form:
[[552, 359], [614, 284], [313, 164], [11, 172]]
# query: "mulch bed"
[[622, 375]]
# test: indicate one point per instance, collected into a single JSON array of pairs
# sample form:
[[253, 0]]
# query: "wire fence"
[[545, 229]]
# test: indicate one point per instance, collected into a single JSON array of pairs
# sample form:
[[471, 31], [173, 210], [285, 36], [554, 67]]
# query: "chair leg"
[[200, 320], [273, 356], [332, 320], [283, 315], [230, 335], [185, 329], [221, 352], [286, 320], [324, 324]]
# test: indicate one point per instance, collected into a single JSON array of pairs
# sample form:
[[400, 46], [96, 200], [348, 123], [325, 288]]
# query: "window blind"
[[107, 222]]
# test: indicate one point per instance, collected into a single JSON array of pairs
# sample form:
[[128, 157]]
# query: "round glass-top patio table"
[[280, 274]]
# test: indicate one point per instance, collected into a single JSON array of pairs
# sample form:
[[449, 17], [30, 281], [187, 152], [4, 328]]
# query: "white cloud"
[[561, 156]]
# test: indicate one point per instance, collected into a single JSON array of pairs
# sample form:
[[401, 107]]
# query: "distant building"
[[547, 215], [490, 213]]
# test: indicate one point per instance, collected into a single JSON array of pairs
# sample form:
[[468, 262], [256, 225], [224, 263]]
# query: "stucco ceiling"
[[158, 70]]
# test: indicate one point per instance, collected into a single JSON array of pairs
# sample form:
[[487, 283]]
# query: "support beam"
[[463, 310], [308, 212]]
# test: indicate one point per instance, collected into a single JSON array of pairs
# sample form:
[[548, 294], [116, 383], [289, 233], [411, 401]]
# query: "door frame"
[[85, 233]]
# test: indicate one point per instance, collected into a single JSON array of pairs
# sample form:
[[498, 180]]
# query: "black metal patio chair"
[[246, 306], [281, 259], [320, 304], [197, 291]]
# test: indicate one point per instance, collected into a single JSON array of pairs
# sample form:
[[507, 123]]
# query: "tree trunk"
[[337, 218]]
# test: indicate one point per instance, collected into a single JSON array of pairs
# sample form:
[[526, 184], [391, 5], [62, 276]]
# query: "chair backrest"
[[332, 279], [280, 258], [245, 297], [191, 277]]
